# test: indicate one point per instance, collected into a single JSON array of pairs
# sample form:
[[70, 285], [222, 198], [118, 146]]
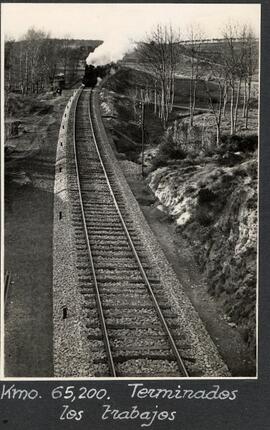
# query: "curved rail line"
[[99, 303], [130, 240]]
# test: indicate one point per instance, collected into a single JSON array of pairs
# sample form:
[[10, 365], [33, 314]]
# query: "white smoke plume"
[[109, 51]]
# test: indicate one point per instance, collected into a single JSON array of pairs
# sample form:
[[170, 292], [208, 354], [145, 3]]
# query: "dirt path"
[[225, 336]]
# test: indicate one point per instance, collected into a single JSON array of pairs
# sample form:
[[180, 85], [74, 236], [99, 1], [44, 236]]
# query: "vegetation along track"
[[133, 327]]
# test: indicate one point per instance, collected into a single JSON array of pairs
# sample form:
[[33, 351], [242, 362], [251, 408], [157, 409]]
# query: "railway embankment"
[[70, 349]]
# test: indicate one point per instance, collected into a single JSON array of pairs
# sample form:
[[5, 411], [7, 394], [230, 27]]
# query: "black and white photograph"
[[130, 149]]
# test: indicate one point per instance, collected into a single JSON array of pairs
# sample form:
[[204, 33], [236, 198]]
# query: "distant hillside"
[[32, 64], [79, 43], [210, 50], [71, 43]]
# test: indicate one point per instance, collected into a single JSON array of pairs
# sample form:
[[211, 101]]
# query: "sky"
[[122, 21], [119, 25]]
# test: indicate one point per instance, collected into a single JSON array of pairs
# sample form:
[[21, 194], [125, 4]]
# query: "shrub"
[[205, 195], [168, 150], [253, 103], [171, 148], [238, 143], [159, 161], [203, 217]]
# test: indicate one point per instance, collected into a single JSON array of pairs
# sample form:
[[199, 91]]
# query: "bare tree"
[[193, 49], [34, 49], [216, 80], [240, 61], [9, 61], [32, 62], [51, 59], [160, 54], [64, 53], [250, 65]]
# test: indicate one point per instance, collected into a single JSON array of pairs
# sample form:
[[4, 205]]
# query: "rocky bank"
[[215, 209]]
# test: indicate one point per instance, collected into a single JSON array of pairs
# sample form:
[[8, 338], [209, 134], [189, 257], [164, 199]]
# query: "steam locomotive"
[[90, 76], [92, 73]]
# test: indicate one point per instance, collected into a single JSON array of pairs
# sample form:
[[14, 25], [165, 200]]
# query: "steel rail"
[[174, 348], [98, 298], [7, 283]]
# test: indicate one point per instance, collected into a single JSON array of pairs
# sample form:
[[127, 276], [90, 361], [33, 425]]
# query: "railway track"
[[132, 329]]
